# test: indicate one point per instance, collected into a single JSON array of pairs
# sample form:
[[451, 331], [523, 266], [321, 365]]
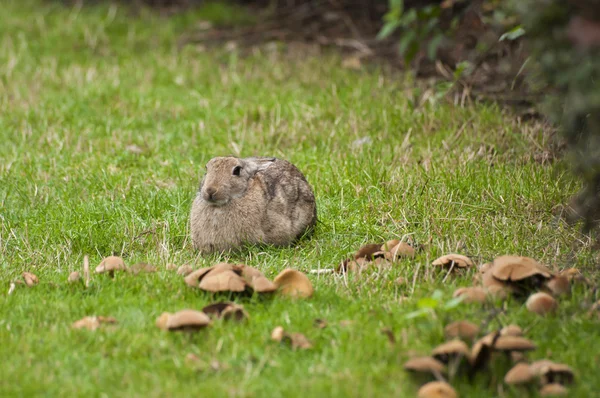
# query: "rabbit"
[[251, 201]]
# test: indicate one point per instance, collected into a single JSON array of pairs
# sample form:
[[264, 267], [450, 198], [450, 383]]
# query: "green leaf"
[[397, 5], [387, 29], [405, 41], [513, 34], [433, 46], [408, 17], [455, 302], [427, 302], [417, 314]]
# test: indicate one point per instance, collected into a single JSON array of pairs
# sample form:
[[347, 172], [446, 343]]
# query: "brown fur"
[[269, 202]]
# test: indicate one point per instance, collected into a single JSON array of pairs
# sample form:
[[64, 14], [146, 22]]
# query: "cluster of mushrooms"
[[497, 349], [377, 255]]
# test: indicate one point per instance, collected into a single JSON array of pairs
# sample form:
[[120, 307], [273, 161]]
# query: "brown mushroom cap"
[[558, 285], [226, 310], [389, 245], [425, 365], [493, 286], [513, 343], [514, 268], [511, 330], [471, 294], [193, 278], [449, 350], [461, 329], [482, 350], [541, 303], [551, 372], [367, 251], [553, 389], [74, 277], [458, 260], [402, 249], [483, 268], [224, 281], [437, 389], [30, 279], [255, 279], [111, 264], [185, 320], [142, 267], [293, 283], [185, 270], [520, 374]]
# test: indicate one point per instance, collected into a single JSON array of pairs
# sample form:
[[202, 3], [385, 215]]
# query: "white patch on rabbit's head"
[[227, 178]]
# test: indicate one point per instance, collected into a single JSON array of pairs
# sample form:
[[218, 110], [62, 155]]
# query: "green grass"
[[80, 85]]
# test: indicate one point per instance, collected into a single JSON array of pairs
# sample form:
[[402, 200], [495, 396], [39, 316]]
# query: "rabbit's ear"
[[254, 165]]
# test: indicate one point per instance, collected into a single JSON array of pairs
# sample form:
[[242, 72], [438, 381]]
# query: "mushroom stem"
[[86, 270]]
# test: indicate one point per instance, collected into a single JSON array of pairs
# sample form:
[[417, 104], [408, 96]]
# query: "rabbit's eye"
[[236, 170]]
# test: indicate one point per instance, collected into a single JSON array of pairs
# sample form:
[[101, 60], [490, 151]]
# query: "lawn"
[[106, 126]]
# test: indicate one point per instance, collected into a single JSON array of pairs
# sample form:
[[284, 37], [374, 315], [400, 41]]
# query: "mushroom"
[[293, 283], [541, 303], [523, 272], [454, 349], [255, 279], [402, 249], [389, 245], [184, 320], [553, 389], [367, 251], [558, 285], [511, 330], [296, 340], [551, 372], [425, 365], [493, 286], [520, 374], [226, 310], [437, 389], [471, 294], [482, 350], [453, 260], [461, 329], [184, 270], [74, 277], [30, 279], [193, 278], [513, 343], [92, 322], [171, 267], [111, 264], [142, 267], [224, 281]]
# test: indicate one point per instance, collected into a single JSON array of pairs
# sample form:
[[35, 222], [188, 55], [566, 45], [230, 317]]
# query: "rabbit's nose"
[[210, 191]]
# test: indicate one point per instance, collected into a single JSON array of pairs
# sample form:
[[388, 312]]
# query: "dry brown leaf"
[[293, 283], [185, 270], [30, 279]]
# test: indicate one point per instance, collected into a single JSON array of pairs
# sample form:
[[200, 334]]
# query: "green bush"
[[564, 39]]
